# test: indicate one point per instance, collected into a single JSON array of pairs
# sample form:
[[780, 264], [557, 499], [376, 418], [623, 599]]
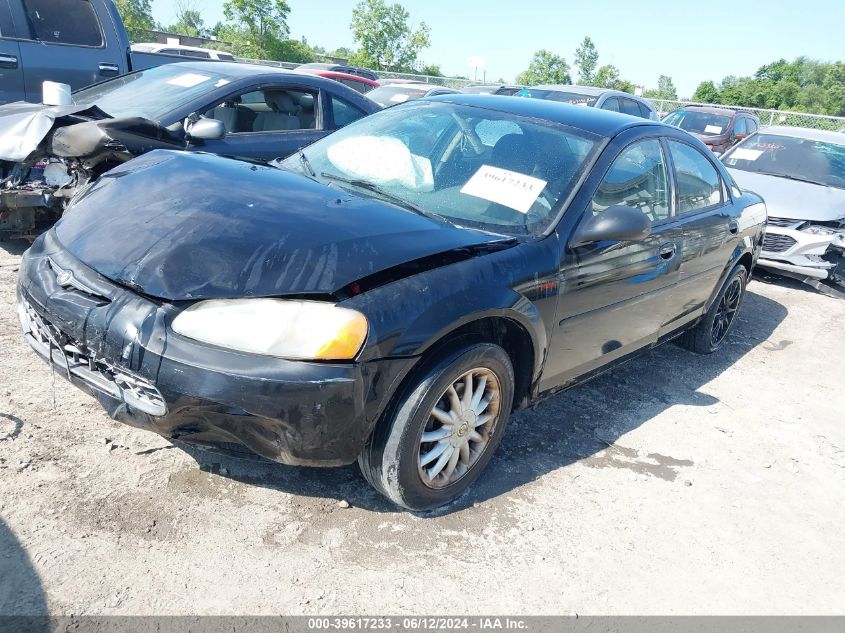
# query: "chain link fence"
[[767, 117]]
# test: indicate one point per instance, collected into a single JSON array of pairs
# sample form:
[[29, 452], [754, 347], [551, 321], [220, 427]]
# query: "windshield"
[[696, 122], [572, 98], [391, 95], [471, 166], [790, 157], [152, 93]]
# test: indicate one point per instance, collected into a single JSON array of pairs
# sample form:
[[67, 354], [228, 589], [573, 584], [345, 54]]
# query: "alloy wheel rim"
[[459, 428], [726, 312]]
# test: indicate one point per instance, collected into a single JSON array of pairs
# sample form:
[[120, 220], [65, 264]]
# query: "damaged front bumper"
[[117, 346], [802, 248]]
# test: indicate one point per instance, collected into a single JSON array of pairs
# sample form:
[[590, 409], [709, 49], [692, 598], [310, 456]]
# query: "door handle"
[[733, 227], [8, 61], [668, 250], [106, 68]]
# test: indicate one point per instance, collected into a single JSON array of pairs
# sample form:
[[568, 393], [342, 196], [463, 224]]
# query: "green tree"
[[188, 20], [386, 38], [665, 89], [342, 52], [137, 16], [433, 70], [262, 20], [291, 51], [545, 68], [707, 92], [586, 60], [607, 77]]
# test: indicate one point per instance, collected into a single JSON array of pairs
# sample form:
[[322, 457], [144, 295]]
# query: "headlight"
[[302, 330]]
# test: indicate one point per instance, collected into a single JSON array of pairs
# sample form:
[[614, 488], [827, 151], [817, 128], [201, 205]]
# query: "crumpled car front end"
[[48, 155], [803, 247]]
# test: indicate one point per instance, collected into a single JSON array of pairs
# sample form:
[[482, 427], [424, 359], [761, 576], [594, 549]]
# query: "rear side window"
[[644, 111], [611, 104], [64, 22], [197, 54], [344, 113], [637, 179], [629, 106], [740, 126], [752, 125], [699, 184]]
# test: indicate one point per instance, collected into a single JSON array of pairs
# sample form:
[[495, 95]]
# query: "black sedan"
[[254, 112], [392, 293]]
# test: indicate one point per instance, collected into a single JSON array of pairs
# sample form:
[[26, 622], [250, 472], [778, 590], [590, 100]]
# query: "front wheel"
[[440, 436], [712, 331]]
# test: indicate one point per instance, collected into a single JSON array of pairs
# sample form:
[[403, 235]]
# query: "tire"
[[391, 461], [712, 331]]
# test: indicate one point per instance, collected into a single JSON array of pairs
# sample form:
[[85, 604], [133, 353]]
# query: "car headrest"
[[514, 152], [280, 102], [306, 102]]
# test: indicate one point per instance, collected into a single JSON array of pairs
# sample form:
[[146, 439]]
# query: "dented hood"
[[794, 199], [182, 226], [24, 125]]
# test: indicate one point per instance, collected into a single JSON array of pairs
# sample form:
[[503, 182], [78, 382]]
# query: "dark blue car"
[[244, 111]]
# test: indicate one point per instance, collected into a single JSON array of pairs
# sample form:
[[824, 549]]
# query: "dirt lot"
[[676, 484]]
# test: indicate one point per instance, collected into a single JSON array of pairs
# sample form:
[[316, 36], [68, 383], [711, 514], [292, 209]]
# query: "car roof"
[[579, 90], [336, 74], [837, 138], [236, 70], [142, 46], [713, 110], [602, 122], [420, 86]]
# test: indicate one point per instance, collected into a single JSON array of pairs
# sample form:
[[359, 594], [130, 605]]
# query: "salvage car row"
[[388, 293]]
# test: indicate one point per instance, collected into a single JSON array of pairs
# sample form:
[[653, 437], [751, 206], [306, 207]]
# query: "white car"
[[801, 175], [193, 52]]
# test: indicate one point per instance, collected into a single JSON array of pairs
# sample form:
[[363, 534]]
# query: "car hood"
[[181, 226], [793, 199]]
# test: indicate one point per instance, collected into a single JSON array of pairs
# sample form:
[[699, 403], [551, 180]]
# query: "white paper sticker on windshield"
[[509, 188], [188, 80], [746, 154], [400, 98], [712, 129]]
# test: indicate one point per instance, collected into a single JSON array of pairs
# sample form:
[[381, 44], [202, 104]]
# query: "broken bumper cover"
[[803, 252], [119, 349]]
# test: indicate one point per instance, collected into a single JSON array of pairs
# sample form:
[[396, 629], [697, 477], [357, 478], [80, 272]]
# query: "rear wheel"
[[441, 435], [712, 331]]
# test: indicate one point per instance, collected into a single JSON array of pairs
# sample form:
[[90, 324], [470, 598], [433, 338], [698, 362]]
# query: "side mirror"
[[617, 223], [207, 130]]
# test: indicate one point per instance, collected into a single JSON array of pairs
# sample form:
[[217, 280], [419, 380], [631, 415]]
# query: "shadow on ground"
[[567, 428], [20, 588], [14, 247]]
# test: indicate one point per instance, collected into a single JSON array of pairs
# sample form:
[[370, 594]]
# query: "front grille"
[[75, 359], [783, 222], [777, 243]]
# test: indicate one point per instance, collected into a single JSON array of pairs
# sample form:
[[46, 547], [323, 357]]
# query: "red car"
[[361, 84]]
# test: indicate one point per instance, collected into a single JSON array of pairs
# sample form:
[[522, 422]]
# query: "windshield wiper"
[[796, 178], [398, 200], [303, 159]]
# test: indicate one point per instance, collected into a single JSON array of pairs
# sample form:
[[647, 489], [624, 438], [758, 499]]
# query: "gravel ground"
[[676, 484]]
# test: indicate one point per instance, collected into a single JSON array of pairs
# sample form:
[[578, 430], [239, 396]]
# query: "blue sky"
[[691, 42]]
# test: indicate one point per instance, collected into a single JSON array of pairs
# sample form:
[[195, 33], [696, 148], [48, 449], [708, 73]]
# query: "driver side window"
[[267, 110], [637, 179]]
